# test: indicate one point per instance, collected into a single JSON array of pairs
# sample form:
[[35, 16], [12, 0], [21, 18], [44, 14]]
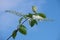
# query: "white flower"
[[37, 17]]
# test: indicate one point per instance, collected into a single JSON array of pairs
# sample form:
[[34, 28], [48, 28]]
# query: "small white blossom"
[[37, 17]]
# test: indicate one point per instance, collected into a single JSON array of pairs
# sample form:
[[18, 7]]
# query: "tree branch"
[[14, 12], [17, 29]]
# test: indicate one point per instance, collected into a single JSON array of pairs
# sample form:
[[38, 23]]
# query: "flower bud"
[[34, 8]]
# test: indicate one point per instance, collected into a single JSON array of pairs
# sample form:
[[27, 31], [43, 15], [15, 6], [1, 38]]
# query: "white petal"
[[37, 17]]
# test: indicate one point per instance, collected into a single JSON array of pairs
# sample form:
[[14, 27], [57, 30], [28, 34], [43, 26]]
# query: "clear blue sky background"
[[43, 31]]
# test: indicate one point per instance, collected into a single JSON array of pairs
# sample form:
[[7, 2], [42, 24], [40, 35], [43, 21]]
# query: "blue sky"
[[43, 31]]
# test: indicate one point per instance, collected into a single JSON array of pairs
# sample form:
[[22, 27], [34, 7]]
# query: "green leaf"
[[22, 29], [29, 15], [42, 15], [34, 9], [20, 20], [32, 22], [14, 34]]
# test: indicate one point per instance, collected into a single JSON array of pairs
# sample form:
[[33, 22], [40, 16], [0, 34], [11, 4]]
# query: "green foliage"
[[34, 9], [42, 15], [20, 20], [32, 22], [22, 29], [14, 34], [29, 15]]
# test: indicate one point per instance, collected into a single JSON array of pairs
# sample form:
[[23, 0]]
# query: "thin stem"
[[9, 37], [14, 12], [16, 29], [25, 21]]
